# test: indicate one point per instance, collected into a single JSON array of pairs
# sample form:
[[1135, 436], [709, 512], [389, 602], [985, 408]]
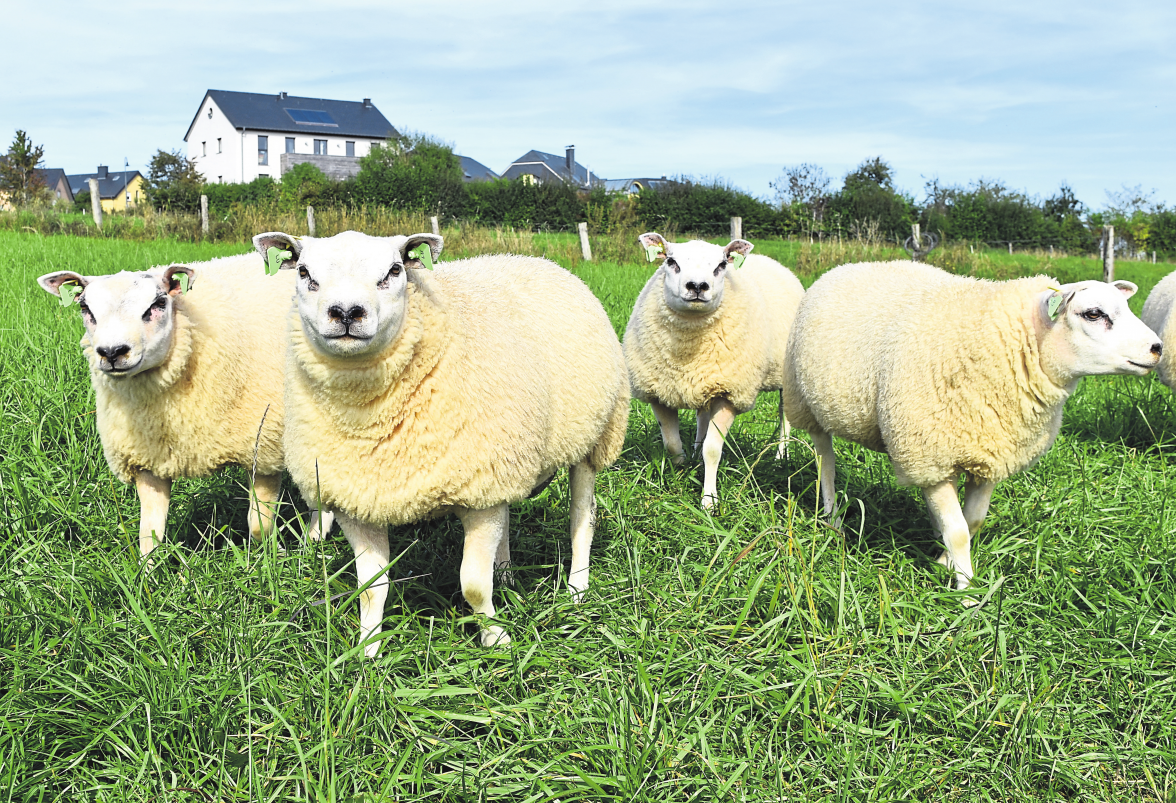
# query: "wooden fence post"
[[1109, 254], [95, 203], [204, 214], [436, 224], [585, 248], [736, 228], [1010, 248], [310, 220], [1051, 252], [1153, 257]]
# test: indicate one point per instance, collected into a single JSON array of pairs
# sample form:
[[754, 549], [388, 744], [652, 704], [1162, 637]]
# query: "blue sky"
[[1033, 94]]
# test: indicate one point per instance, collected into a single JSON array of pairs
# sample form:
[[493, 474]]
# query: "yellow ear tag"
[[736, 259], [422, 253], [651, 252], [68, 292], [275, 259], [1055, 302]]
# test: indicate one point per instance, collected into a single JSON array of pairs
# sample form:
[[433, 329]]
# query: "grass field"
[[751, 655]]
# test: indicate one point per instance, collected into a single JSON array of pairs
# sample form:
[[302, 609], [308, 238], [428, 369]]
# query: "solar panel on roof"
[[311, 117]]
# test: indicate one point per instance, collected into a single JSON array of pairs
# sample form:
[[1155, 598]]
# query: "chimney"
[[102, 172], [281, 96], [367, 103], [571, 160]]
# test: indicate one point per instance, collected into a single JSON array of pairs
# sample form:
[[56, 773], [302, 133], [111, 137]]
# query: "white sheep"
[[1157, 313], [707, 336], [183, 381], [412, 393], [951, 375]]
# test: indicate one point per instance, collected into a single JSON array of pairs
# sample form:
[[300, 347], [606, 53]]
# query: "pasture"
[[754, 654]]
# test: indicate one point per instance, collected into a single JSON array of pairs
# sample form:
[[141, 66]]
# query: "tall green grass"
[[751, 655]]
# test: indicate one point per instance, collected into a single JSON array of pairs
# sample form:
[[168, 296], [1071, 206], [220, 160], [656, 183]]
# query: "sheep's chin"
[[681, 305]]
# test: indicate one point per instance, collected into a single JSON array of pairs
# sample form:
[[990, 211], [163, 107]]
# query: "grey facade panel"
[[336, 168]]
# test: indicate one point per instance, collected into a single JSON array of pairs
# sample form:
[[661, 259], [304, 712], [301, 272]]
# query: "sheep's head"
[[351, 287], [694, 271], [1086, 329], [129, 317]]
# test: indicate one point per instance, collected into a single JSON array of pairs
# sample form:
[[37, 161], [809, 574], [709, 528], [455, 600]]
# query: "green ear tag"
[[276, 258], [182, 278], [68, 293], [1055, 302], [422, 253], [651, 252], [737, 259]]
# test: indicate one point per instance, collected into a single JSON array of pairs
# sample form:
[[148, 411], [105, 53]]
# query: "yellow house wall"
[[119, 202]]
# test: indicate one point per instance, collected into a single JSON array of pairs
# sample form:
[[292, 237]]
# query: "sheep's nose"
[[1157, 349], [345, 317], [697, 287], [114, 353]]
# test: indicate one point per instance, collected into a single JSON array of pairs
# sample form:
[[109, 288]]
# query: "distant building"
[[632, 186], [117, 191], [549, 167], [239, 136], [57, 182], [473, 170]]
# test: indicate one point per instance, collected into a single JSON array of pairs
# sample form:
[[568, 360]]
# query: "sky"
[[1031, 94]]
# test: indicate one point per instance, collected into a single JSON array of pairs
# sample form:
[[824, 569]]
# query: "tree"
[[804, 189], [19, 179], [173, 182], [414, 172]]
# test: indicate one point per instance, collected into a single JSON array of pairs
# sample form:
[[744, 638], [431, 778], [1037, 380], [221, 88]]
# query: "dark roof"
[[626, 184], [475, 170], [344, 118], [544, 166], [52, 176], [107, 187]]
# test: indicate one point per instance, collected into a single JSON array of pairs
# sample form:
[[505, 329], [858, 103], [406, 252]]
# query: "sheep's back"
[[1157, 314]]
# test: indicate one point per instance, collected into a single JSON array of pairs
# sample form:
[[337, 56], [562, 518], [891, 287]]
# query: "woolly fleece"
[[201, 408], [946, 377], [471, 405], [1157, 314], [685, 361]]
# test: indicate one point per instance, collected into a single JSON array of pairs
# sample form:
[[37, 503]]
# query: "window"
[[309, 117], [320, 147], [219, 180], [263, 175], [262, 149], [203, 148], [218, 144], [289, 144], [351, 149]]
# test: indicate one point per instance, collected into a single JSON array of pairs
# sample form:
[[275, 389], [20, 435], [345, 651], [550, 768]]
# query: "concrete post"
[[95, 203], [585, 248], [736, 228], [310, 220], [1051, 254], [204, 214], [1010, 249], [1109, 254], [436, 225]]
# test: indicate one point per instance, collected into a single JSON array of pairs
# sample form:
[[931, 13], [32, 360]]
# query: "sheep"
[[1157, 310], [951, 376], [186, 382], [412, 393], [707, 334]]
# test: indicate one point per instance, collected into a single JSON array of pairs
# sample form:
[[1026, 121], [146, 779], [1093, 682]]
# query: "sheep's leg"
[[318, 523], [370, 544], [154, 497], [827, 461], [721, 416], [263, 503], [943, 503], [703, 426], [502, 557], [785, 432], [977, 497], [667, 418], [484, 531], [583, 481]]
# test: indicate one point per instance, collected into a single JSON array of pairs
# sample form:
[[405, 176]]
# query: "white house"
[[239, 136]]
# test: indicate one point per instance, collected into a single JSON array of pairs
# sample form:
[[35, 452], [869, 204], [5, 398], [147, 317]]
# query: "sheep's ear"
[[737, 247], [177, 279], [1056, 302], [1126, 288], [53, 282], [411, 244], [281, 241], [655, 245]]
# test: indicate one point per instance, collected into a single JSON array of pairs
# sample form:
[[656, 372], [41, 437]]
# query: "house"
[[117, 191], [473, 170], [632, 186], [240, 136], [58, 183], [549, 167]]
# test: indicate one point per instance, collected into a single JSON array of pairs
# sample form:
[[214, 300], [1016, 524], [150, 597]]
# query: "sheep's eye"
[[672, 265], [393, 272], [160, 303], [303, 273], [1094, 314], [85, 310], [719, 268]]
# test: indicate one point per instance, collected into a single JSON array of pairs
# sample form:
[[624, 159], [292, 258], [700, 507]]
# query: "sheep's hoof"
[[371, 650], [678, 459], [495, 636], [970, 602], [943, 560], [782, 452], [708, 502], [579, 592]]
